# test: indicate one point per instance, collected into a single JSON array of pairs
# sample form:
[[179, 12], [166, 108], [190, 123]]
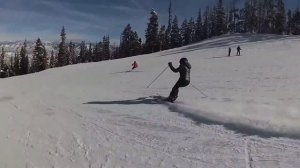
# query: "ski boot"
[[171, 99]]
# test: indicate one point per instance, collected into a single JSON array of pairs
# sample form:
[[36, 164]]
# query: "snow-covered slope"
[[99, 115]]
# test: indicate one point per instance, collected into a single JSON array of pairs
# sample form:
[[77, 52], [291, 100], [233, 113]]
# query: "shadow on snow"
[[141, 100], [129, 71]]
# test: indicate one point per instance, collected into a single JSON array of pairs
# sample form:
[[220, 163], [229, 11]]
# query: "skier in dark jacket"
[[229, 51], [238, 51], [184, 80]]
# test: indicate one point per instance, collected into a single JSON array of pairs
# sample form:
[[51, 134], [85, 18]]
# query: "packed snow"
[[103, 115]]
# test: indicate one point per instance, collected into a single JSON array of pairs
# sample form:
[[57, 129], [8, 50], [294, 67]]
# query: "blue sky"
[[87, 19]]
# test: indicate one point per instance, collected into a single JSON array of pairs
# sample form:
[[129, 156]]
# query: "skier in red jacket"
[[134, 65]]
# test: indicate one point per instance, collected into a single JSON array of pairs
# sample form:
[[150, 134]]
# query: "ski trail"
[[82, 148], [248, 157], [106, 161]]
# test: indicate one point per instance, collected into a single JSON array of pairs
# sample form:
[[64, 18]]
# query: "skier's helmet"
[[183, 60]]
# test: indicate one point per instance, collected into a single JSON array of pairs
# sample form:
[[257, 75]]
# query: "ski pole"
[[157, 76], [205, 96]]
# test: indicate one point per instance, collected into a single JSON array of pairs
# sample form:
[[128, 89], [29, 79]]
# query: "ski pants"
[[175, 90]]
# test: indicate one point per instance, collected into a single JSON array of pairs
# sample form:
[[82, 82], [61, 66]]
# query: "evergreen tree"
[[220, 19], [106, 48], [162, 38], [199, 28], [100, 56], [206, 29], [139, 48], [269, 21], [151, 36], [260, 17], [116, 52], [52, 60], [16, 63], [250, 15], [82, 52], [11, 70], [185, 32], [72, 53], [2, 57], [231, 21], [280, 22], [240, 25], [176, 40], [12, 65], [289, 22], [192, 30], [62, 53], [40, 57], [89, 53], [296, 23], [169, 28], [188, 31], [98, 52], [130, 43], [233, 16], [24, 61], [55, 59], [94, 55], [126, 42], [212, 22], [68, 59]]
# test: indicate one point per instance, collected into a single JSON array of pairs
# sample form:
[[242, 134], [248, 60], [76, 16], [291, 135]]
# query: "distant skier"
[[134, 65], [229, 51], [184, 80], [238, 49]]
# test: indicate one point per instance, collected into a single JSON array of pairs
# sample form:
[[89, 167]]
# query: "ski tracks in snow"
[[248, 158], [159, 139], [166, 136], [273, 152]]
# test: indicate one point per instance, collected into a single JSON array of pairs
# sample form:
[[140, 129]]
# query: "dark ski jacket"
[[184, 69]]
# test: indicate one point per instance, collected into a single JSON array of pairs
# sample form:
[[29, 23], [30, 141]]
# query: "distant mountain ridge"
[[12, 47]]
